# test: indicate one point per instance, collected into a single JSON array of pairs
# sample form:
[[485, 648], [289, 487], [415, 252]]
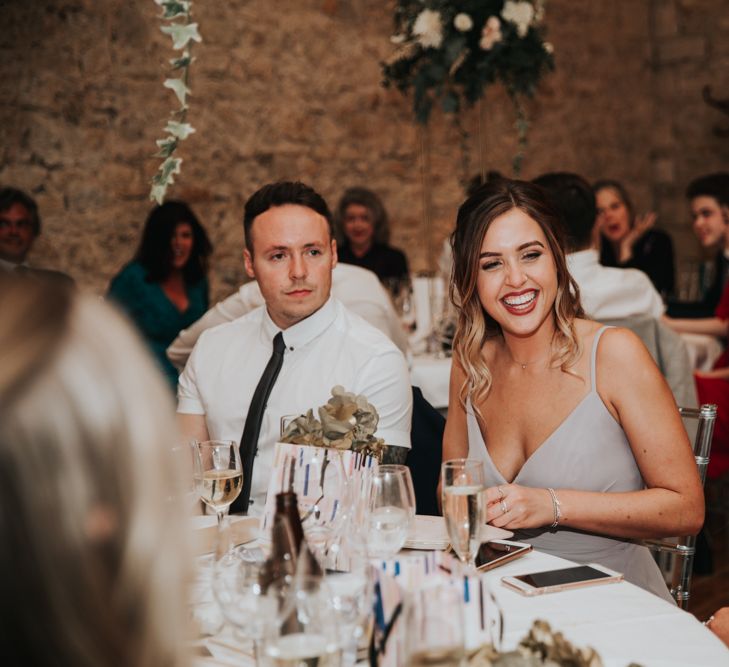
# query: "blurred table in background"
[[432, 374]]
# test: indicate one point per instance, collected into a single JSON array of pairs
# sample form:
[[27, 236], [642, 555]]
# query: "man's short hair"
[[575, 200], [280, 194], [712, 185], [10, 196]]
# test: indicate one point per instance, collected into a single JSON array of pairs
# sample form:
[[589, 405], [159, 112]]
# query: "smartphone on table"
[[550, 581], [497, 552]]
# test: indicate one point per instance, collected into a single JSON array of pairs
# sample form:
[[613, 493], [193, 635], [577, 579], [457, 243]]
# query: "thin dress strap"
[[593, 359]]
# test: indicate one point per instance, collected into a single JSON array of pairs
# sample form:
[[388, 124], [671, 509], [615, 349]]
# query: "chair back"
[[425, 454], [676, 555]]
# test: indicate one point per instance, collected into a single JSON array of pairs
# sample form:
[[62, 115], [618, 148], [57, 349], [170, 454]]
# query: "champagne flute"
[[391, 511], [464, 505], [218, 475]]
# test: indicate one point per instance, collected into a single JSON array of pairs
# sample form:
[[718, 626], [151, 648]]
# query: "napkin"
[[205, 532], [429, 533]]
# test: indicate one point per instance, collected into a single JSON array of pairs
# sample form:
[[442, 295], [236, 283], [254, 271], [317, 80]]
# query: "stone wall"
[[291, 89]]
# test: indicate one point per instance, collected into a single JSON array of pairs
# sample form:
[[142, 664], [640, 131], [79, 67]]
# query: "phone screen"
[[568, 575], [489, 552]]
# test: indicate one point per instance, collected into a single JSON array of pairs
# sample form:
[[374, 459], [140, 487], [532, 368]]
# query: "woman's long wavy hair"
[[475, 325], [155, 247]]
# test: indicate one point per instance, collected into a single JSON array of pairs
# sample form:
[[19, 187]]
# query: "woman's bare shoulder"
[[621, 351]]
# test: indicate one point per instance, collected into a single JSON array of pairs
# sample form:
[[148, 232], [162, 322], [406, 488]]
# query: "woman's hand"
[[512, 506], [641, 225]]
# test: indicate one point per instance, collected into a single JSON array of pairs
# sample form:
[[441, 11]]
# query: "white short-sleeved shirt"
[[331, 347], [610, 293]]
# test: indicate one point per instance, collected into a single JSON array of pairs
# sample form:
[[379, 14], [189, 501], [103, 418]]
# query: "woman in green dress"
[[164, 289]]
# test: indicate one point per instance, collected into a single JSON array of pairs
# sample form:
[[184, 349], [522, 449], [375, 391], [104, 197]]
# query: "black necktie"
[[254, 419]]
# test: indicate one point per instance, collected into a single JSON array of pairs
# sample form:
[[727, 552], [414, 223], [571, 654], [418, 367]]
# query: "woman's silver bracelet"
[[556, 508]]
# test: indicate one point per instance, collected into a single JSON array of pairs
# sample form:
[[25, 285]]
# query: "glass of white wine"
[[218, 473], [464, 505]]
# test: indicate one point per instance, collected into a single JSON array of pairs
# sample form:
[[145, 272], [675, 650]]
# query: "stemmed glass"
[[434, 625], [391, 510], [464, 505], [253, 610], [218, 473], [309, 635]]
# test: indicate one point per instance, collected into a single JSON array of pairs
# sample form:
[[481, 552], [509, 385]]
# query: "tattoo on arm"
[[394, 454]]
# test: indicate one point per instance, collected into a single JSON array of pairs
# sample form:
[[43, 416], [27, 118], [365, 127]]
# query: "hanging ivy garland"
[[177, 19]]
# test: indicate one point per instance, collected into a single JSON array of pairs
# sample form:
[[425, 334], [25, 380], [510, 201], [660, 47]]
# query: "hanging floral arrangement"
[[449, 51]]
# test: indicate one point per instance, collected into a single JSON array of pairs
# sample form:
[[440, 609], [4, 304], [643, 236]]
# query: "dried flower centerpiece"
[[347, 421], [542, 646]]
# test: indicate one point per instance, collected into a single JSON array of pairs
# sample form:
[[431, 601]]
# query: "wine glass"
[[218, 473], [434, 625], [254, 610], [464, 505], [309, 635], [391, 510]]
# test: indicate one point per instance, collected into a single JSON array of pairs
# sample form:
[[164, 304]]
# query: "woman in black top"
[[363, 232], [630, 241]]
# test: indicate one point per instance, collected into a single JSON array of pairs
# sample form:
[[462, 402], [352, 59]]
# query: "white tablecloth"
[[623, 622]]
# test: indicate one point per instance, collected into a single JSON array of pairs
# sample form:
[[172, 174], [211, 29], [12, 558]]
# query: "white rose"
[[548, 47], [463, 22], [428, 28], [520, 14]]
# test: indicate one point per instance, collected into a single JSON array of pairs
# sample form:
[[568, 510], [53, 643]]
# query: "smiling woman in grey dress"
[[583, 446]]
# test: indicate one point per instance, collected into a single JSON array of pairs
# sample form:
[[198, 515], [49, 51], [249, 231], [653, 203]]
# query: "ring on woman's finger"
[[501, 493], [504, 508]]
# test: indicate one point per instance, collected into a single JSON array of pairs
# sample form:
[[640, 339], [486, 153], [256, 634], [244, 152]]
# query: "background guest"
[[165, 289], [94, 555], [606, 459], [364, 231], [606, 293], [709, 200], [20, 226], [628, 240]]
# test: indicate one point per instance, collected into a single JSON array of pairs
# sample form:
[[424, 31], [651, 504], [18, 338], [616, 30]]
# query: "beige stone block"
[[676, 49], [665, 18]]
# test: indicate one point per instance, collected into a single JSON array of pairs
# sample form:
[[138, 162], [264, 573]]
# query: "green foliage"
[[183, 34], [450, 51], [460, 67]]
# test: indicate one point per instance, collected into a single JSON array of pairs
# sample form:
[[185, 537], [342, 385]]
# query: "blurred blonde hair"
[[475, 326], [94, 554]]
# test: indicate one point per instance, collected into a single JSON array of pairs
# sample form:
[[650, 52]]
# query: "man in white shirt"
[[290, 251], [607, 293], [358, 289]]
